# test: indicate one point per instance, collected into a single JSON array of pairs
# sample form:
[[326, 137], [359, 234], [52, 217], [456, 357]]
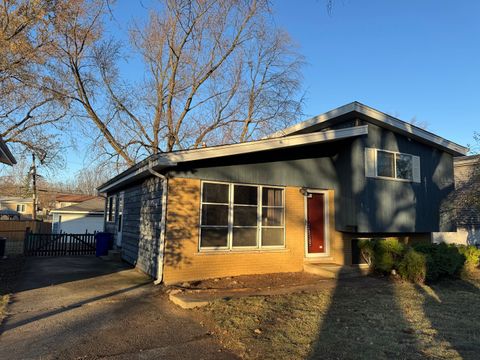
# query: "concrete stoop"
[[336, 271], [113, 255], [190, 299]]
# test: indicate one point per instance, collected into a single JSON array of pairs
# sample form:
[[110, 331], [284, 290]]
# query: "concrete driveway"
[[84, 307]]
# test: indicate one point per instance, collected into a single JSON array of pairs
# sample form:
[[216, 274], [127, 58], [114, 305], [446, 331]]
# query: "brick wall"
[[183, 261]]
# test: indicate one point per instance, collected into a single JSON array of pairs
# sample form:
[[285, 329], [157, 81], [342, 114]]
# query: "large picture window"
[[237, 216]]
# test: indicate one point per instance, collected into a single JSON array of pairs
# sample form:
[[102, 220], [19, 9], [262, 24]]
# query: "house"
[[466, 203], [63, 200], [86, 216], [23, 206], [300, 196], [6, 156]]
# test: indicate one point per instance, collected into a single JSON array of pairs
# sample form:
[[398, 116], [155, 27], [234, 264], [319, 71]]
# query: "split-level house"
[[300, 196]]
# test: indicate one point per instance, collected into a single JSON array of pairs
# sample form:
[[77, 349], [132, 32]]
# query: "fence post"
[[25, 241]]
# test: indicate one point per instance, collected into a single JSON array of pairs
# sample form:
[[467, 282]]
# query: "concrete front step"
[[113, 255], [335, 271]]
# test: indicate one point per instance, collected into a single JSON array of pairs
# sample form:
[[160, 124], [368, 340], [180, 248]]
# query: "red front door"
[[316, 223]]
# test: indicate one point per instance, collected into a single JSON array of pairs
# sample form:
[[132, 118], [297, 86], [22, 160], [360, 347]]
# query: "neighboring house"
[[86, 216], [6, 156], [23, 206], [466, 201], [63, 200], [301, 195]]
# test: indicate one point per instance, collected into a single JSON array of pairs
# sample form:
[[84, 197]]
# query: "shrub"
[[413, 266], [441, 259], [471, 254], [382, 254]]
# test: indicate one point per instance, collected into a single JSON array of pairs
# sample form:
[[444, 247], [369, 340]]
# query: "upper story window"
[[111, 202], [392, 165], [21, 208], [235, 216]]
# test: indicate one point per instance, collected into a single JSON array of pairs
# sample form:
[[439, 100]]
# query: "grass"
[[9, 270], [366, 318]]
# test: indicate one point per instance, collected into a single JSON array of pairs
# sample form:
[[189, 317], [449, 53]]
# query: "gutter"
[[161, 248]]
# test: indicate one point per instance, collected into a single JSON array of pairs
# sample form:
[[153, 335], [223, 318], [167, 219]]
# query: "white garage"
[[84, 217]]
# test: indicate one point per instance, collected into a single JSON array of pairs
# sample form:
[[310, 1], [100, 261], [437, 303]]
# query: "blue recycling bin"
[[104, 242]]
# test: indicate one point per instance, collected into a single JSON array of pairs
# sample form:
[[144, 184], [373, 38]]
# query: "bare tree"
[[215, 71], [30, 118]]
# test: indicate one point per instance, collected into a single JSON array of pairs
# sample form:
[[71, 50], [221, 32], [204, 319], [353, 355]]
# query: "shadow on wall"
[[181, 238]]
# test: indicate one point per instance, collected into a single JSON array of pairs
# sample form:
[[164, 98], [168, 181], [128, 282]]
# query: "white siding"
[[77, 223], [463, 236]]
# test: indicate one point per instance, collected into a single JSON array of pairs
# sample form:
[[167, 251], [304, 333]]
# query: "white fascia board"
[[173, 158], [266, 144], [382, 119], [157, 164], [342, 110], [410, 129]]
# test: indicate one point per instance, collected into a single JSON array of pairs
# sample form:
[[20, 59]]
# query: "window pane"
[[214, 214], [404, 167], [246, 195], [272, 216], [244, 237], [385, 164], [272, 237], [215, 193], [214, 237], [272, 197], [245, 216]]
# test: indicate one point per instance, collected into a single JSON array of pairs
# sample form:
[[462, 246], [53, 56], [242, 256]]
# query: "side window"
[[111, 208], [392, 165]]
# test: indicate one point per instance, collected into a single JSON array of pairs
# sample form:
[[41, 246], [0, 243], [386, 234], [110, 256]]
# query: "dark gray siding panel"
[[141, 224], [393, 206], [363, 204]]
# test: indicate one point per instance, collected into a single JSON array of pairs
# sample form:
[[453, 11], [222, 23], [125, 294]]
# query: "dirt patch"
[[10, 269], [264, 281]]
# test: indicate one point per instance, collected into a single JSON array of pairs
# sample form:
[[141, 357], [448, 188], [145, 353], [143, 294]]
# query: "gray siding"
[[141, 224], [362, 205]]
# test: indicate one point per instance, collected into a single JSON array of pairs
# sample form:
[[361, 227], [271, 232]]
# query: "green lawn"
[[366, 318]]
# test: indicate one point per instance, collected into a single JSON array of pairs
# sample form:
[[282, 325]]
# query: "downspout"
[[161, 249]]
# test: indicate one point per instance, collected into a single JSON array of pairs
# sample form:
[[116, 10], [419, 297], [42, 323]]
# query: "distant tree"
[[30, 117]]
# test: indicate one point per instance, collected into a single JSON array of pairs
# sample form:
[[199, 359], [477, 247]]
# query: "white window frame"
[[230, 225], [22, 208], [395, 154], [111, 209]]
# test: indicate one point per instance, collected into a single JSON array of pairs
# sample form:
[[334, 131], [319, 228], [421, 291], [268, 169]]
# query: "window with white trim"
[[392, 165], [111, 202], [21, 208], [240, 216]]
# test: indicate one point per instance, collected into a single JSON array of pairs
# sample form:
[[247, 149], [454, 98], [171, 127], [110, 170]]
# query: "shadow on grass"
[[374, 318]]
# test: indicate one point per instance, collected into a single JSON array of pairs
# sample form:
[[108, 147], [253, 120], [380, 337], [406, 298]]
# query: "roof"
[[92, 206], [12, 199], [466, 160], [6, 156], [374, 116], [73, 198], [171, 159]]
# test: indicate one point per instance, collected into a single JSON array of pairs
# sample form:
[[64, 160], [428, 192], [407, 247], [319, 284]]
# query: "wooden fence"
[[59, 244], [15, 231]]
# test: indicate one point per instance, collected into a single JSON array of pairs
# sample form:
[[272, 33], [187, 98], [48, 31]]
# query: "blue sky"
[[409, 58]]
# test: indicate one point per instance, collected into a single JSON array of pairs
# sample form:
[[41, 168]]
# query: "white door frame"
[[326, 216], [120, 218]]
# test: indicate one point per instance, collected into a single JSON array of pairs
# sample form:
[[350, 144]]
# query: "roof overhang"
[[171, 159], [6, 156], [376, 117], [59, 211]]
